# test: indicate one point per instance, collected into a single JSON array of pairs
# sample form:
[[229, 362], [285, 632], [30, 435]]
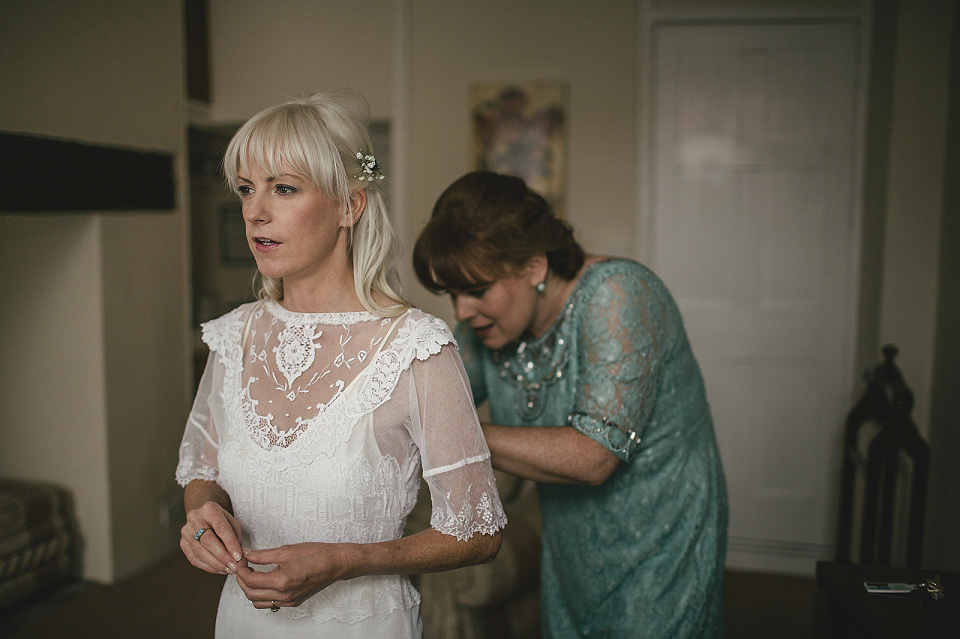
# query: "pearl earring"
[[541, 287]]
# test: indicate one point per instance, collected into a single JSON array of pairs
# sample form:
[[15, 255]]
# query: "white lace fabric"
[[319, 427]]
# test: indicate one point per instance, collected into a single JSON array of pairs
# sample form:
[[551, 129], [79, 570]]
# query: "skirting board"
[[787, 558]]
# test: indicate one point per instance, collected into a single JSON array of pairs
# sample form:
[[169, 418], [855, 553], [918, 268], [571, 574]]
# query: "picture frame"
[[520, 128]]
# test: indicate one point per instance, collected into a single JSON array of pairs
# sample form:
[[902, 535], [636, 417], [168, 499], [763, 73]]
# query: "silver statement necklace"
[[534, 367]]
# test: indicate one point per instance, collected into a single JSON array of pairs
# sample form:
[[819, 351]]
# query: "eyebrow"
[[288, 176]]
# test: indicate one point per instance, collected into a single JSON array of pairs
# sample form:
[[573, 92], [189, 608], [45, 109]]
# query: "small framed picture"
[[521, 129]]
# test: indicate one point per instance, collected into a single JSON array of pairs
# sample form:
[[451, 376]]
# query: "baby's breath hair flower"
[[369, 168]]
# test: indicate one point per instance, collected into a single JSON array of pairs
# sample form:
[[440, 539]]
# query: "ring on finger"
[[196, 536], [273, 606]]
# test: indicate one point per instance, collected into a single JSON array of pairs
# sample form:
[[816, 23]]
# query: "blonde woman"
[[323, 403]]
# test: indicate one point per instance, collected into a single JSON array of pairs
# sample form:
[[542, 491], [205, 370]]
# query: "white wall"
[[94, 361]]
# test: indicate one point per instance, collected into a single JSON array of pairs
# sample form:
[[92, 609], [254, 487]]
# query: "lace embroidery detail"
[[464, 522], [619, 438], [329, 319], [295, 351], [348, 469], [189, 469], [223, 335], [414, 339]]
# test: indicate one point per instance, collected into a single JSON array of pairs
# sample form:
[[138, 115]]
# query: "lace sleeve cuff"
[[186, 473], [480, 511], [620, 440]]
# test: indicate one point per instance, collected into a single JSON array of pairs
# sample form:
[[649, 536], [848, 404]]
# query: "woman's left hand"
[[302, 570]]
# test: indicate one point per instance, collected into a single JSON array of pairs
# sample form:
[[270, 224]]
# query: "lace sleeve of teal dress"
[[643, 554]]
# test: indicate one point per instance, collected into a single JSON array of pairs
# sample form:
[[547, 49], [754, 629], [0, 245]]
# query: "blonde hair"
[[319, 137]]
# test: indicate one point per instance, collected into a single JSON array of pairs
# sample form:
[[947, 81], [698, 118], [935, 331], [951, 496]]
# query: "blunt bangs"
[[289, 137], [448, 261]]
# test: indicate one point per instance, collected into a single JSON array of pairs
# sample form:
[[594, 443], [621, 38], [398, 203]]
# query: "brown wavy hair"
[[486, 226]]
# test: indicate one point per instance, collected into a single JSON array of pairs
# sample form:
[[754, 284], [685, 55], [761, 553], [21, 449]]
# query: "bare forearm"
[[302, 570], [427, 551], [559, 455], [199, 491]]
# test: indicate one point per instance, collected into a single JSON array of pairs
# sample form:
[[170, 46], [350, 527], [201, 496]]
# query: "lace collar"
[[313, 319]]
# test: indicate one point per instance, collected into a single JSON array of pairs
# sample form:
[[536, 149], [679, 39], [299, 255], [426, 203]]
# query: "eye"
[[284, 189], [477, 292], [243, 189]]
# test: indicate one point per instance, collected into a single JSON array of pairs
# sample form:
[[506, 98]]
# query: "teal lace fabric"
[[643, 554]]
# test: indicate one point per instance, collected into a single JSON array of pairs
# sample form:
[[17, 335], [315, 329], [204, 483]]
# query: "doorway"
[[753, 225]]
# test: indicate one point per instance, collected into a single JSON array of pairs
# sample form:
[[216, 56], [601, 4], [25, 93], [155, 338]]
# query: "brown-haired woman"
[[595, 394]]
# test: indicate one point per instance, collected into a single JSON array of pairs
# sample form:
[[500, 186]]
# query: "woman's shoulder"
[[422, 334], [224, 332], [606, 271]]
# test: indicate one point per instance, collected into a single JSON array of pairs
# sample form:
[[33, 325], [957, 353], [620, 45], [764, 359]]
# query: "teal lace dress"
[[643, 554]]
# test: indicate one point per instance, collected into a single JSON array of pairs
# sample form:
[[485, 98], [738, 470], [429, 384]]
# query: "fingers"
[[301, 571], [261, 557], [210, 540], [231, 537], [266, 594], [196, 558]]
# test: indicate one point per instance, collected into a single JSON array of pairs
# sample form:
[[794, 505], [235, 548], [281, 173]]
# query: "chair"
[[886, 404]]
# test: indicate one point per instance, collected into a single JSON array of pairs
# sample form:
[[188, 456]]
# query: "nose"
[[254, 209], [463, 308]]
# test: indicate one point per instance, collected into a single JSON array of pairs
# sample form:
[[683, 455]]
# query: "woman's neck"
[[331, 293], [551, 301]]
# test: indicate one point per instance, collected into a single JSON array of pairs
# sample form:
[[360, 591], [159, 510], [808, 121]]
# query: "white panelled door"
[[753, 228]]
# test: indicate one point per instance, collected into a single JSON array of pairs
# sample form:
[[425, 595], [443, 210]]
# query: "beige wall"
[[93, 371], [52, 369], [914, 192], [264, 52], [590, 47]]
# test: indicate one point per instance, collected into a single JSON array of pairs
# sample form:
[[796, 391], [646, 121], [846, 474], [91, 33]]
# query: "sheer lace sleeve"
[[198, 449], [453, 452], [470, 349], [624, 331]]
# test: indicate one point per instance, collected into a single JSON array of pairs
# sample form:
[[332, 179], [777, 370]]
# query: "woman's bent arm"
[[303, 570], [561, 455]]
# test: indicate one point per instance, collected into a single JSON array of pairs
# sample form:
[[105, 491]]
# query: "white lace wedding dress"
[[317, 426]]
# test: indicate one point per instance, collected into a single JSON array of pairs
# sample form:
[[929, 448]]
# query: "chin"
[[495, 342]]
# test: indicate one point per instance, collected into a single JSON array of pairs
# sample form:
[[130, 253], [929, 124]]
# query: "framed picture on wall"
[[521, 129]]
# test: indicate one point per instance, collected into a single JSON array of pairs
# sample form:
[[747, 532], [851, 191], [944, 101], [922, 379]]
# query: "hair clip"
[[369, 167]]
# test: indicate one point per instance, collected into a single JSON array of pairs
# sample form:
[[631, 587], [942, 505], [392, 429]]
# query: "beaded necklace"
[[535, 366]]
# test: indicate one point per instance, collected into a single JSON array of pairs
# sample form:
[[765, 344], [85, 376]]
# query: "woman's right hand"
[[217, 549]]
